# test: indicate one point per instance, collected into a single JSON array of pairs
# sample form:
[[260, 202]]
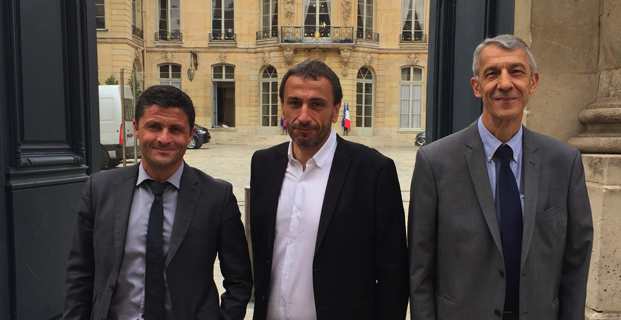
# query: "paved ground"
[[232, 163]]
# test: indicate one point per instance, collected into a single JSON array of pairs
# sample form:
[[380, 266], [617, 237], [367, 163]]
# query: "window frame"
[[411, 101], [365, 32], [273, 100], [362, 119], [412, 34], [320, 31], [272, 17], [170, 80], [100, 3], [222, 33]]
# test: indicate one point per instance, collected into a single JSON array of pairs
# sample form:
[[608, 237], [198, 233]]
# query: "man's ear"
[[476, 88], [534, 82]]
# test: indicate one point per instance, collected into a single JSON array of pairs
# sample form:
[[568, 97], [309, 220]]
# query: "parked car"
[[200, 137]]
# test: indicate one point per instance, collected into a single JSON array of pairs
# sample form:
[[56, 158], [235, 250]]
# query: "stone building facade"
[[578, 49], [229, 56]]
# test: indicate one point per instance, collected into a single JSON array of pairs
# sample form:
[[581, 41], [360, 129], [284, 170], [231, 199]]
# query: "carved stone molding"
[[346, 10], [413, 59], [317, 54], [267, 59], [289, 9], [222, 57], [367, 59], [288, 54], [602, 121], [345, 54]]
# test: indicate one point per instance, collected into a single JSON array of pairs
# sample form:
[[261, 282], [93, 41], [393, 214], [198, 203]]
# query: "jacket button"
[[502, 273], [497, 312]]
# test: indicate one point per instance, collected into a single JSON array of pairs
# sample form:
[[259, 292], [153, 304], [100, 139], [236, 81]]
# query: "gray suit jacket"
[[207, 223], [456, 261]]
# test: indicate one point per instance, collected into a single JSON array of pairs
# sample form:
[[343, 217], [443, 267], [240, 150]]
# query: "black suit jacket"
[[207, 223], [360, 263]]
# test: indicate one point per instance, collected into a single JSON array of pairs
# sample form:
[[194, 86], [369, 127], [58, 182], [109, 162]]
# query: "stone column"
[[600, 143]]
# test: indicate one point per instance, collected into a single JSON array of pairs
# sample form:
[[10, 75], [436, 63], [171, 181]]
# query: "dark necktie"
[[510, 227], [155, 288]]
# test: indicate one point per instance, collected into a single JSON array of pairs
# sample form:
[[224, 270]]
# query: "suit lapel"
[[276, 174], [338, 173], [530, 167], [475, 158], [186, 204], [122, 193]]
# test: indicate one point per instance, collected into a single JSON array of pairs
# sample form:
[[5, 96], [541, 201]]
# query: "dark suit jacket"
[[207, 223], [360, 263], [456, 261]]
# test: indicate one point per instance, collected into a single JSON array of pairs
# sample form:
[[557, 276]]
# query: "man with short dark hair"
[[147, 235], [499, 224], [328, 229]]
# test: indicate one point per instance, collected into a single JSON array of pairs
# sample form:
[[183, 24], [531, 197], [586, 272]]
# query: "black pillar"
[[456, 27], [48, 129]]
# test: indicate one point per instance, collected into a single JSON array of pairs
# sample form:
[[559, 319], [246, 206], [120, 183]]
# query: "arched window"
[[411, 92], [364, 29], [364, 98], [269, 97], [412, 20], [170, 74]]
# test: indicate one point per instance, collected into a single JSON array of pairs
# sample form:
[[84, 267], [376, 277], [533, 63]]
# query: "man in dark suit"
[[499, 224], [147, 235], [328, 230]]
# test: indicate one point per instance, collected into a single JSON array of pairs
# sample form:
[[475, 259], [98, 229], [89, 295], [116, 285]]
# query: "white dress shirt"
[[128, 300], [297, 221]]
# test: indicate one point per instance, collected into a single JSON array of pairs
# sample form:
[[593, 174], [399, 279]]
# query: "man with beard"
[[328, 230], [147, 235]]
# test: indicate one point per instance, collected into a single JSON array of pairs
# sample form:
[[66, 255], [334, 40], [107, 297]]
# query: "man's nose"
[[164, 136], [304, 115], [504, 81]]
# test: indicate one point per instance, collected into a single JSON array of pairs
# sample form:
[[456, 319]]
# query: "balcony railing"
[[367, 35], [409, 36], [137, 32], [164, 35], [267, 33], [313, 34], [222, 36]]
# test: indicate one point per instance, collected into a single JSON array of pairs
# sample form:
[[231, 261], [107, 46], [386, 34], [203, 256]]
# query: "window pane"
[[164, 71], [229, 72], [405, 74], [418, 74], [217, 72], [266, 121], [368, 88], [368, 99]]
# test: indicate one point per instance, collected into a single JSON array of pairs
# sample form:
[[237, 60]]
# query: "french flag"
[[346, 118]]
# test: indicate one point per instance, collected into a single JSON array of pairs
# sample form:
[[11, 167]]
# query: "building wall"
[[118, 48]]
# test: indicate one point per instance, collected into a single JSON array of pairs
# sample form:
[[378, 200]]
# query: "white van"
[[111, 123]]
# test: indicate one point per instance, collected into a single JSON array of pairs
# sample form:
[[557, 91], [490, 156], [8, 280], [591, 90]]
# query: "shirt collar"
[[491, 143], [175, 179], [325, 154]]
